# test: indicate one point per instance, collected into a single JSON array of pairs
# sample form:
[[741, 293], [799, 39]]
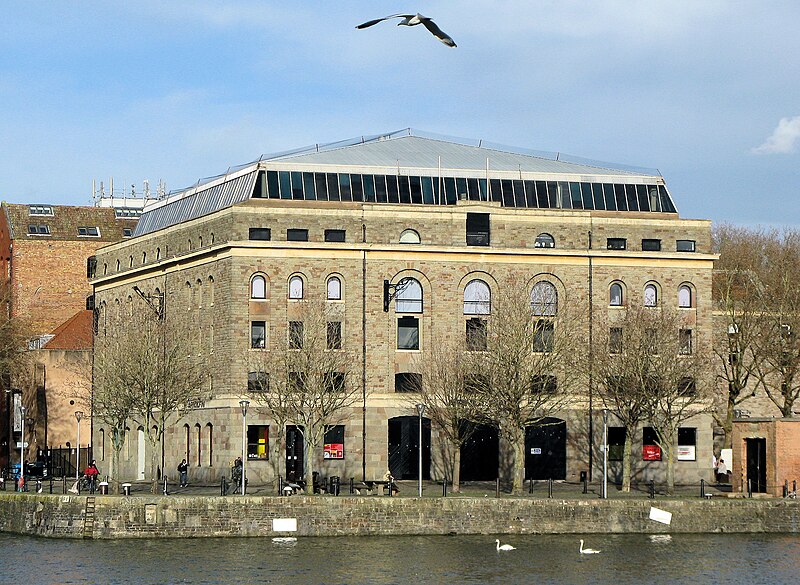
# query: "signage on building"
[[686, 453], [651, 453], [333, 451], [536, 451]]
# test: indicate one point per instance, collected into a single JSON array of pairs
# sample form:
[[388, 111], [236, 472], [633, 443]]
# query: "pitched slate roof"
[[63, 221]]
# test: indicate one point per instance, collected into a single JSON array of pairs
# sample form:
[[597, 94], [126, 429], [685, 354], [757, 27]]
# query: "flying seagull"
[[413, 20]]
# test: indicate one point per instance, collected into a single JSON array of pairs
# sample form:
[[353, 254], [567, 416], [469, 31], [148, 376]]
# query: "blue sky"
[[706, 91]]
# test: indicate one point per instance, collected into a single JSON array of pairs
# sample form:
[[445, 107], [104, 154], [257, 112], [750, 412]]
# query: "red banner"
[[651, 453]]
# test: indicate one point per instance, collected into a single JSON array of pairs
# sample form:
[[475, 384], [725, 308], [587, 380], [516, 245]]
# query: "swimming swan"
[[588, 551], [504, 546]]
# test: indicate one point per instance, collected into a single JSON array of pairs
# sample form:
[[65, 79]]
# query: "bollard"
[[585, 485], [749, 489], [352, 486], [550, 488], [497, 488], [280, 485], [794, 486], [652, 489], [222, 485], [126, 489], [64, 484], [530, 486], [38, 486], [166, 491], [2, 483], [444, 488], [702, 488], [786, 488]]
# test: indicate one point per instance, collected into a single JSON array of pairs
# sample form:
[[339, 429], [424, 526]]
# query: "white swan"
[[504, 546], [588, 551]]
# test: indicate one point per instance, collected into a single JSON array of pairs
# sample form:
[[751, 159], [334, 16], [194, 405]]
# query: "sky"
[[705, 91]]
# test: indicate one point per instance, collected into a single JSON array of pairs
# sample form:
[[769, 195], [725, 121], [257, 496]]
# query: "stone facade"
[[204, 262]]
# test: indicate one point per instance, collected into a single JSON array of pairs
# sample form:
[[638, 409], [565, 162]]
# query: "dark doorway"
[[479, 455], [294, 453], [757, 465], [546, 449], [404, 450]]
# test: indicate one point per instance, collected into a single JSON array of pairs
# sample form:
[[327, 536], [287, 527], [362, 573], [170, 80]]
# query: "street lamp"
[[78, 417], [420, 410], [22, 446], [605, 453], [244, 404]]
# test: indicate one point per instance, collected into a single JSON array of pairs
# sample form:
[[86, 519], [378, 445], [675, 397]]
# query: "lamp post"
[[22, 445], [244, 404], [605, 453], [78, 417], [421, 411]]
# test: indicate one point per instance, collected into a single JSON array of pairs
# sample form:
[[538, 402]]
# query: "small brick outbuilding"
[[766, 452]]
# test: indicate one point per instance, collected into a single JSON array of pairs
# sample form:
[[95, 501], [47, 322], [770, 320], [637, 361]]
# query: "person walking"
[[183, 471]]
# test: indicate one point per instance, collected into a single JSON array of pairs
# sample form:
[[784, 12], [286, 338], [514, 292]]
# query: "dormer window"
[[40, 210], [89, 231], [38, 230]]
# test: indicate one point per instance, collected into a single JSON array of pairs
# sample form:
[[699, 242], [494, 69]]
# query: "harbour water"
[[624, 559]]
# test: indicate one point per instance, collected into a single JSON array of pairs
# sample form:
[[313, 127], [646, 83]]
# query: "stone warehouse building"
[[234, 255]]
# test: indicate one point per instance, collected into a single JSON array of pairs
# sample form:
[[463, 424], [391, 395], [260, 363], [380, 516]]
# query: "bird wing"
[[377, 20], [438, 33]]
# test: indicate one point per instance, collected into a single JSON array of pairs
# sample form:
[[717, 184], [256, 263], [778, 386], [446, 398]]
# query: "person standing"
[[91, 474], [183, 470], [722, 472]]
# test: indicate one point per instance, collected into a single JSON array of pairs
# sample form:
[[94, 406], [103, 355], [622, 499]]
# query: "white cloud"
[[783, 138]]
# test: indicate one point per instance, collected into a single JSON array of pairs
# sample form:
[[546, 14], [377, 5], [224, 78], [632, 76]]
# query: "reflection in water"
[[626, 559]]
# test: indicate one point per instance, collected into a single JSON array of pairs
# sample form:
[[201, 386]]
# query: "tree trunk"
[[518, 446], [456, 488], [670, 453], [308, 455], [626, 461]]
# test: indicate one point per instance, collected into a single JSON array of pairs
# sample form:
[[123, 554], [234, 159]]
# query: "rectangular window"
[[616, 443], [263, 234], [650, 449], [89, 231], [127, 232], [296, 235], [40, 210], [257, 382], [405, 382], [334, 235], [615, 340], [39, 230], [333, 444], [334, 335], [258, 334], [651, 245], [616, 243], [544, 385], [257, 442], [685, 341], [476, 334], [685, 245], [295, 335], [477, 229], [543, 336], [408, 333], [687, 444]]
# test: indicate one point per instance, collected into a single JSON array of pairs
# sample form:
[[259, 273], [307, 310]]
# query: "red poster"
[[651, 453], [333, 451]]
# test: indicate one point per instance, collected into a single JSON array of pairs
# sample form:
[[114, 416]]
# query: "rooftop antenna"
[[161, 190], [146, 189]]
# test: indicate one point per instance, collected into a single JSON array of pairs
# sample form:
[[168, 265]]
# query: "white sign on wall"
[[284, 524]]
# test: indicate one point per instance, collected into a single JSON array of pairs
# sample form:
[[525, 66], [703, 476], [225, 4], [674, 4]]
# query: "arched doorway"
[[546, 449], [479, 454], [404, 449]]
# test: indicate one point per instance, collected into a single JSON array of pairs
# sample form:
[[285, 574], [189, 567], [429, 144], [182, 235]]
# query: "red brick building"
[[43, 257], [766, 452]]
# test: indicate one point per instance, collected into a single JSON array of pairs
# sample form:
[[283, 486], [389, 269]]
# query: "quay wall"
[[208, 516]]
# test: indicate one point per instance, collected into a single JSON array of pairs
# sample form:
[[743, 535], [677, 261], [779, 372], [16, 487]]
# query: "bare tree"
[[531, 363], [309, 372], [14, 335], [779, 334], [651, 367], [443, 386], [738, 293], [145, 366]]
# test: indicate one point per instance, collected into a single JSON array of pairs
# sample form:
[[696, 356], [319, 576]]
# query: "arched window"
[[199, 435], [650, 295], [199, 286], [144, 257], [102, 444], [210, 443], [188, 439], [545, 241], [477, 298], [334, 288], [685, 296], [158, 253], [408, 296], [210, 290], [296, 287], [258, 287], [130, 261], [544, 299], [615, 298], [105, 268], [117, 265], [409, 237]]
